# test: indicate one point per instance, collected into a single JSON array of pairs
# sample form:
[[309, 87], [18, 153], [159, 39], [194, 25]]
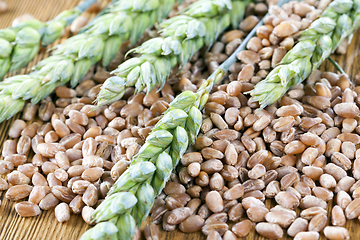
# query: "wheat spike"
[[19, 44], [181, 37], [339, 20]]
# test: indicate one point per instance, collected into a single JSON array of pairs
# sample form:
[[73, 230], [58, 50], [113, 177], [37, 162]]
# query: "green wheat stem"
[[336, 65]]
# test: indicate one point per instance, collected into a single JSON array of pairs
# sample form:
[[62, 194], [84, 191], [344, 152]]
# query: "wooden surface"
[[45, 226]]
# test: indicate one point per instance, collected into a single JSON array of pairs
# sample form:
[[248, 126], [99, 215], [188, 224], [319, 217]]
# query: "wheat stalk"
[[340, 19], [19, 44], [71, 60], [131, 197], [181, 37]]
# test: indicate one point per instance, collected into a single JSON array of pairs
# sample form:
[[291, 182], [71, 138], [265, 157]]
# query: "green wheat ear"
[[340, 19], [20, 44], [181, 37]]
